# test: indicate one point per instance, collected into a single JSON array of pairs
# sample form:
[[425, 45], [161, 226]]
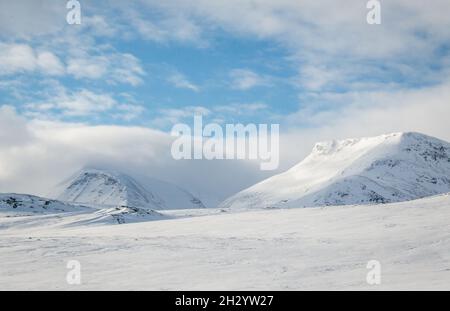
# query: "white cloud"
[[32, 149], [61, 103], [171, 116], [319, 35], [111, 66], [127, 69], [13, 128], [100, 26], [16, 58], [26, 19], [244, 79], [20, 58], [43, 143], [50, 64], [166, 26], [78, 103], [92, 67], [85, 102], [220, 114], [325, 38], [329, 42], [115, 67], [316, 78], [129, 149], [128, 112], [371, 113], [181, 81]]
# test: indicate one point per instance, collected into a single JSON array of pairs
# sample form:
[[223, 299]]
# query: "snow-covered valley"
[[205, 249]]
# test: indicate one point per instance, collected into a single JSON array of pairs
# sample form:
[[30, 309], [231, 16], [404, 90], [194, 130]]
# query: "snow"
[[108, 188], [389, 168], [132, 233], [269, 249], [13, 204], [18, 205]]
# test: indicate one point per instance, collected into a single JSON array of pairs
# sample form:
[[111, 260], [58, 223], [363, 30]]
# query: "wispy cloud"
[[168, 117], [112, 67], [181, 81], [245, 79], [60, 103], [217, 113], [78, 103], [128, 112], [115, 68]]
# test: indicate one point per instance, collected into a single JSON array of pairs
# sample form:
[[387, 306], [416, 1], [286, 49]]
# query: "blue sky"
[[317, 68], [252, 78], [158, 63], [233, 72]]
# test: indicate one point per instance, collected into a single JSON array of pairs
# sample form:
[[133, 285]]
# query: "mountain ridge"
[[383, 169]]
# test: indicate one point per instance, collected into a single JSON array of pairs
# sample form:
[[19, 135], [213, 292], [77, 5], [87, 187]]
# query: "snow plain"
[[210, 249]]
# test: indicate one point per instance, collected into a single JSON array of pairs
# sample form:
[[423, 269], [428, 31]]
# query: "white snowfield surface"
[[107, 188], [274, 249], [388, 168]]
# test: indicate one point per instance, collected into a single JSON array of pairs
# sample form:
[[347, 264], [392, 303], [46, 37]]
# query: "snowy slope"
[[118, 215], [283, 249], [388, 168], [24, 204], [108, 188], [34, 210]]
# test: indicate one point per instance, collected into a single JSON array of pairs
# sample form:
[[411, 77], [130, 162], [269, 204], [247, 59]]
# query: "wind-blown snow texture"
[[388, 168], [283, 249], [107, 188]]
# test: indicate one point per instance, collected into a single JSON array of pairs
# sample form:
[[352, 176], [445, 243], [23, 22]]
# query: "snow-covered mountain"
[[388, 168], [107, 188]]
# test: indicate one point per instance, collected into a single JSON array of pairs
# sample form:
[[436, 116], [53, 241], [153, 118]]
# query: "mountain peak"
[[387, 168], [112, 188], [327, 147]]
